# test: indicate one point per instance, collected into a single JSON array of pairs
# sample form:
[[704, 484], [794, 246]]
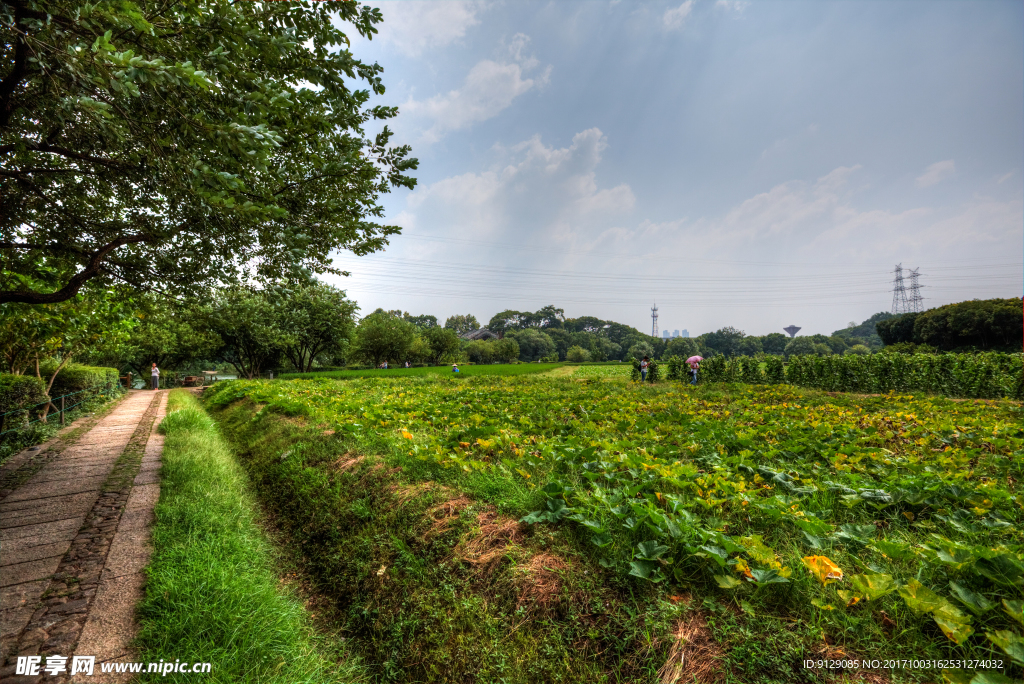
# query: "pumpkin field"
[[891, 526]]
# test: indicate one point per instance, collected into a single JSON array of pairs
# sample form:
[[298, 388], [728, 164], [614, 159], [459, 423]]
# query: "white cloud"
[[936, 173], [732, 5], [489, 88], [416, 25], [535, 192], [675, 16]]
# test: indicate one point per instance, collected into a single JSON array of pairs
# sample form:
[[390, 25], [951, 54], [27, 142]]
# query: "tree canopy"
[[990, 324], [175, 145]]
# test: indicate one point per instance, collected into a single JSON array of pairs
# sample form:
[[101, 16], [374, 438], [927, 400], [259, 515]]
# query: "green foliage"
[[992, 324], [742, 488], [75, 377], [577, 354], [865, 333], [444, 344], [188, 143], [533, 344], [506, 350], [653, 372], [169, 333], [462, 324], [212, 586], [774, 343], [479, 351], [443, 370], [799, 346], [318, 320], [724, 341], [639, 350], [897, 329], [383, 337], [249, 327], [858, 350], [17, 392]]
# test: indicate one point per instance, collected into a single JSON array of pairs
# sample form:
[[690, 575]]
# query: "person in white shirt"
[[156, 377]]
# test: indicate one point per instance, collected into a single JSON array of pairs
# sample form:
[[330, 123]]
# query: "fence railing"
[[44, 415]]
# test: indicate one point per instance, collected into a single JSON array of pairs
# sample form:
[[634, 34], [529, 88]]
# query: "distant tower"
[[654, 320], [792, 330], [916, 301], [900, 305]]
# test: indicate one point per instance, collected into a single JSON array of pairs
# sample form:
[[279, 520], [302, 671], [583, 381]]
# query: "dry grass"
[[496, 536], [695, 656], [444, 514], [405, 493], [540, 581], [347, 462]]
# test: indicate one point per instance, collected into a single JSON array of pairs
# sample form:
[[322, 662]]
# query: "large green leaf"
[[650, 550], [978, 604], [1012, 644], [727, 581], [920, 598], [1014, 609], [874, 586]]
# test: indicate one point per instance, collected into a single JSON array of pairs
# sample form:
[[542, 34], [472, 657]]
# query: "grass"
[[213, 593], [464, 371]]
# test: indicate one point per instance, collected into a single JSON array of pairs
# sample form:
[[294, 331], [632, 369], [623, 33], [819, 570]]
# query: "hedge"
[[19, 391], [75, 377], [990, 375]]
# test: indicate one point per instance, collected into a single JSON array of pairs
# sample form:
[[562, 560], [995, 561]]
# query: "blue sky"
[[747, 164]]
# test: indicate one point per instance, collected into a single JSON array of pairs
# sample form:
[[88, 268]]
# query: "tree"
[[423, 321], [639, 350], [168, 333], [505, 321], [897, 329], [172, 145], [444, 344], [588, 324], [479, 351], [822, 349], [866, 333], [548, 317], [800, 346], [724, 341], [837, 344], [505, 350], [383, 337], [774, 343], [577, 354], [991, 324], [318, 320], [857, 350], [31, 334], [748, 346], [462, 324], [248, 326], [533, 344]]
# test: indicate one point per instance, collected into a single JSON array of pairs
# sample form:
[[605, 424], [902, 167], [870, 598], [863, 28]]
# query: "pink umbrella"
[[694, 360]]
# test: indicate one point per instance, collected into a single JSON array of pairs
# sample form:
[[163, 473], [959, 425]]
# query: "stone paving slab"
[[29, 571], [20, 509], [70, 485], [38, 552], [40, 533]]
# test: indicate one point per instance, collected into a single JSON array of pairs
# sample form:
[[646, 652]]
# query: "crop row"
[[978, 376]]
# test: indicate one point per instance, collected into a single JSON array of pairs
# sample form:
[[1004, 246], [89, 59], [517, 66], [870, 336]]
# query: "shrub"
[[75, 377], [18, 392], [857, 350], [577, 354]]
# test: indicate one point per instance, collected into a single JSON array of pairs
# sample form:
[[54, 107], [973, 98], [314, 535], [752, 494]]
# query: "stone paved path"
[[73, 540]]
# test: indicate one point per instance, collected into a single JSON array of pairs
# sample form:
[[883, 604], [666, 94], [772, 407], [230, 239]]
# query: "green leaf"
[[767, 576], [1002, 569], [650, 550], [1012, 644], [978, 604], [534, 518], [818, 603], [553, 489], [953, 623], [601, 539], [920, 598], [874, 586], [1014, 609], [893, 550], [727, 582]]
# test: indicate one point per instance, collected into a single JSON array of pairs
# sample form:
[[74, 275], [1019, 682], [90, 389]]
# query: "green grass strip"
[[212, 593]]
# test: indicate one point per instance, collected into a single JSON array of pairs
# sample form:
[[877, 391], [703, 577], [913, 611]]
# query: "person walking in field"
[[644, 365], [156, 377], [694, 363]]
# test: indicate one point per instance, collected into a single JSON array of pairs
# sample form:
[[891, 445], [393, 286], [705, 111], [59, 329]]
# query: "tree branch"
[[93, 269], [18, 72]]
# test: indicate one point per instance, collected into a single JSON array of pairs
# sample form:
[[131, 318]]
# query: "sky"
[[745, 164]]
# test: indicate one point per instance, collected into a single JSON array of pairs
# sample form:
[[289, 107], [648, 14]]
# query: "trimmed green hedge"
[[990, 375], [19, 391], [75, 377]]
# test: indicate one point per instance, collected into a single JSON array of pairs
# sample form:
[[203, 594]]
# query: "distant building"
[[675, 333], [684, 333], [665, 334], [479, 334], [792, 330]]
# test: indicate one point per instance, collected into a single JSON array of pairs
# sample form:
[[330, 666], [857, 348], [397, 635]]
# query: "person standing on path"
[[643, 369], [156, 377]]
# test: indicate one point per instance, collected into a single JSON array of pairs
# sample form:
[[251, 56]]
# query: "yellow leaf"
[[823, 569], [406, 434]]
